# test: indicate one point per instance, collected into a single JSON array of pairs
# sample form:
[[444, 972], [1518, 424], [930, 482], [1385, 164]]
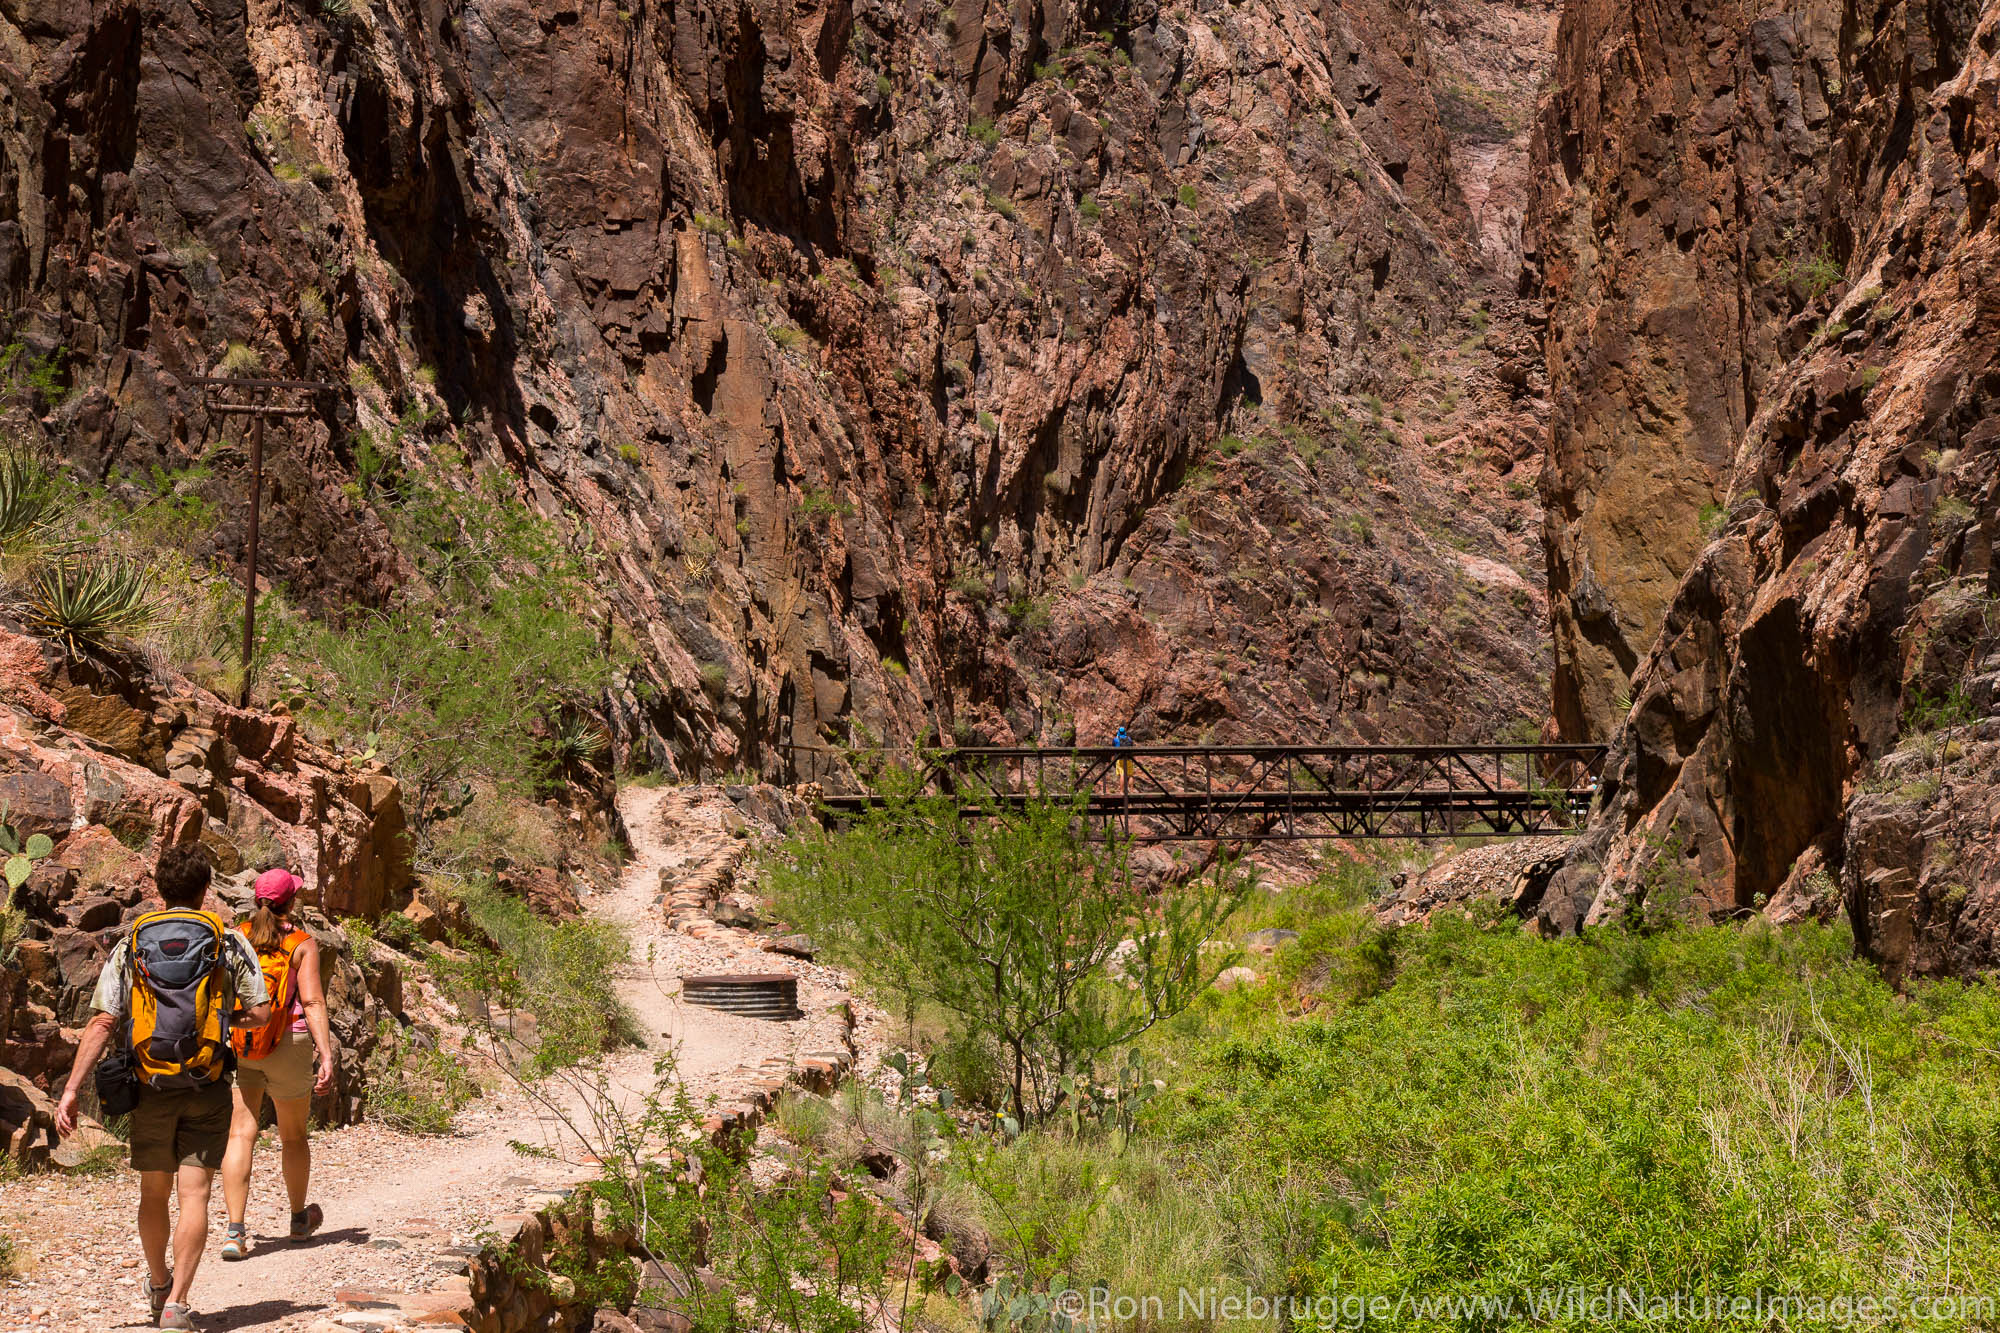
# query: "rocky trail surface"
[[404, 1212]]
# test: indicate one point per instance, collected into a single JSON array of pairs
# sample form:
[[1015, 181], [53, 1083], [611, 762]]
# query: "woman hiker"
[[278, 1058]]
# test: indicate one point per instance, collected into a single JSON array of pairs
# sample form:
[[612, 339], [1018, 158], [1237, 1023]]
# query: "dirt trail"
[[402, 1210]]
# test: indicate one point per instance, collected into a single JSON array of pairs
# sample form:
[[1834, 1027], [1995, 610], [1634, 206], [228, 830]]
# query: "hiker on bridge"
[[171, 991], [291, 1057]]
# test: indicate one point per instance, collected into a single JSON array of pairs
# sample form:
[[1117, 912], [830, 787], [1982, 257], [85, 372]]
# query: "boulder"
[[27, 1122], [544, 889], [429, 926], [1268, 941], [94, 914], [36, 803]]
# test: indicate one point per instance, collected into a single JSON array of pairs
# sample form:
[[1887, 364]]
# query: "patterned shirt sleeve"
[[247, 972], [114, 985]]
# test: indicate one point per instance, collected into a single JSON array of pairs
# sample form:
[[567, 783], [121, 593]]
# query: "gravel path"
[[402, 1210]]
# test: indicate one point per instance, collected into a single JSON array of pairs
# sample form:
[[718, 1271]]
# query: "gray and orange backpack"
[[181, 1001]]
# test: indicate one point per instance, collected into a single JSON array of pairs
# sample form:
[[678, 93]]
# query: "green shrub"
[[563, 973], [1189, 195], [983, 129], [1712, 1109], [449, 684], [1013, 928], [1711, 520], [415, 1085], [818, 505], [1091, 210]]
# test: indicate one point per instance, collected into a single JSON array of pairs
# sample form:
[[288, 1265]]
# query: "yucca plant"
[[575, 739], [27, 501], [84, 603]]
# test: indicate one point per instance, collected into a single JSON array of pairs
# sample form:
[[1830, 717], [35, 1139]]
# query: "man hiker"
[[171, 990]]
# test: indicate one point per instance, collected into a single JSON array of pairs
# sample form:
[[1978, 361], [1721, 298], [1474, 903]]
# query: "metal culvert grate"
[[773, 995]]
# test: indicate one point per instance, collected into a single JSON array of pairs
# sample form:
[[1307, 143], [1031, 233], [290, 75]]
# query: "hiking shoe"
[[236, 1241], [307, 1221], [156, 1297], [176, 1316]]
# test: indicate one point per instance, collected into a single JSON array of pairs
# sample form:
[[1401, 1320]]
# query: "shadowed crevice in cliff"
[[413, 196], [1787, 750]]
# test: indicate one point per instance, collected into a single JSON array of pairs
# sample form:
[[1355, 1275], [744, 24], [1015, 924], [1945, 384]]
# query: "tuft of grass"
[[239, 359]]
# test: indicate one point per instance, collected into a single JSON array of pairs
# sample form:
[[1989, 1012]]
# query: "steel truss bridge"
[[1255, 793]]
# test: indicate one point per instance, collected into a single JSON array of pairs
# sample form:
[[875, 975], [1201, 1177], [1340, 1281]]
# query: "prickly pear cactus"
[[21, 856]]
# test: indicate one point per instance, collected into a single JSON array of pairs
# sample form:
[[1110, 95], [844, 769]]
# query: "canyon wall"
[[1766, 241], [985, 370]]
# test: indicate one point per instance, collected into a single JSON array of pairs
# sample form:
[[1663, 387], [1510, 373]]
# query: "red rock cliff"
[[985, 369], [1768, 246]]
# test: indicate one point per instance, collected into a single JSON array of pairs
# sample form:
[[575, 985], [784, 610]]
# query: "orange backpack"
[[279, 977]]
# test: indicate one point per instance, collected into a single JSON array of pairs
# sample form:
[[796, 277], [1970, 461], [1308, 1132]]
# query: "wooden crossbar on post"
[[259, 413]]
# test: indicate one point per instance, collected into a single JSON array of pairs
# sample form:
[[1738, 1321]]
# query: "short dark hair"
[[182, 876]]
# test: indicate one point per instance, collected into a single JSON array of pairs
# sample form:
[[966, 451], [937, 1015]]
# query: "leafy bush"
[[86, 603], [415, 1085], [1014, 927], [806, 1254], [561, 973], [449, 684]]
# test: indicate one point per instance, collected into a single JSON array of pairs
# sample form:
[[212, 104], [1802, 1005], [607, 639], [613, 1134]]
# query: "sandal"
[[176, 1316], [236, 1241], [156, 1297], [306, 1221]]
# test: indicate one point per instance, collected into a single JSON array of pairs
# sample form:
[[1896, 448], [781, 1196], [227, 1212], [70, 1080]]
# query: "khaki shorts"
[[171, 1130], [286, 1073]]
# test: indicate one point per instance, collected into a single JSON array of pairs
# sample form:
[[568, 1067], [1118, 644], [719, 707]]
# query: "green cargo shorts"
[[171, 1130]]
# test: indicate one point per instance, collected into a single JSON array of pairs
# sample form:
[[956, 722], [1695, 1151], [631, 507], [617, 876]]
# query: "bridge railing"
[[1253, 792]]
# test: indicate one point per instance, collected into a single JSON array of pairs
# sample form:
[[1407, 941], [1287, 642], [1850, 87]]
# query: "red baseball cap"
[[278, 886]]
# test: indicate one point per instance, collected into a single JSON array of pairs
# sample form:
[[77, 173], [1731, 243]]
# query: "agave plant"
[[27, 501], [83, 603]]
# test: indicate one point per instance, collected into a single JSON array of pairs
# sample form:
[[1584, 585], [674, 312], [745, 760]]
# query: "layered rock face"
[[1769, 249], [987, 371]]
